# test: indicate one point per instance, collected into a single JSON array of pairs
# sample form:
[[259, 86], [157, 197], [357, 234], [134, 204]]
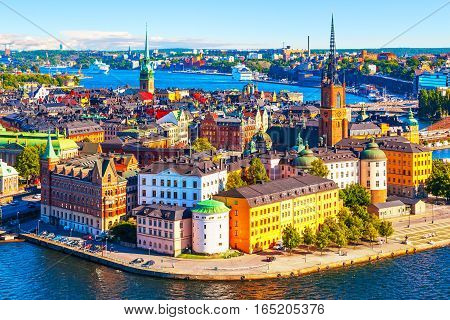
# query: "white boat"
[[241, 73], [98, 67]]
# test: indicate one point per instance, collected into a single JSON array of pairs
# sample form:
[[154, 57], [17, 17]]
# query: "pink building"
[[163, 229]]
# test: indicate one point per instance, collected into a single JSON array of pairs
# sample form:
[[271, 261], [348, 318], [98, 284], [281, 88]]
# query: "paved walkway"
[[299, 262]]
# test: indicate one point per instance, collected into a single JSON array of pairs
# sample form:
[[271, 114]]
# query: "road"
[[24, 204]]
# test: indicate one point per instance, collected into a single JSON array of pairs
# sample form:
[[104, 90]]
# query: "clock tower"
[[146, 76], [333, 123]]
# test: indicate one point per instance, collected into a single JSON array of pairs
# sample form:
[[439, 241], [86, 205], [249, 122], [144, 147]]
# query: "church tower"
[[333, 124], [146, 77], [48, 162]]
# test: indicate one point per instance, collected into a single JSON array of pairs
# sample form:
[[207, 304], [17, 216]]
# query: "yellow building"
[[259, 213], [409, 166]]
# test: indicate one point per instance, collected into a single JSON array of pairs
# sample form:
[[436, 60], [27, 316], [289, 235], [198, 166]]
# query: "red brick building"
[[85, 194]]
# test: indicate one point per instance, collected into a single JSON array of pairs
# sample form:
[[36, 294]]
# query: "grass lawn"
[[225, 255]]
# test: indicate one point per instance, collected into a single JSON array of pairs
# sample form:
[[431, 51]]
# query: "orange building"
[[259, 213], [409, 166]]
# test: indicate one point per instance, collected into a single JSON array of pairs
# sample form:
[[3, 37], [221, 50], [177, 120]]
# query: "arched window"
[[109, 178], [338, 100]]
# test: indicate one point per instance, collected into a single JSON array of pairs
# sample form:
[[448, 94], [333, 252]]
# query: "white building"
[[180, 182], [210, 227], [9, 179], [343, 166]]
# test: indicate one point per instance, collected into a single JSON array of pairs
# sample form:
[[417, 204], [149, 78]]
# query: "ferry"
[[53, 69], [98, 67], [241, 73]]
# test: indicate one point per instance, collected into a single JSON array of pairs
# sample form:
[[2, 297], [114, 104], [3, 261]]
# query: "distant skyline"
[[115, 25]]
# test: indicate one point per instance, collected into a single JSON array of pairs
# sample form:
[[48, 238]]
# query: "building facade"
[[163, 229], [9, 179], [85, 194], [409, 166], [373, 172], [181, 183], [210, 227], [259, 213]]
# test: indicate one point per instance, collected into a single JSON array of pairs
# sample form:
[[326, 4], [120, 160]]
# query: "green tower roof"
[[372, 152], [210, 207], [411, 121], [49, 151]]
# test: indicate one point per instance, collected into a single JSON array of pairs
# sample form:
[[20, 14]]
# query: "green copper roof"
[[305, 159], [210, 207], [411, 121], [49, 151], [372, 152]]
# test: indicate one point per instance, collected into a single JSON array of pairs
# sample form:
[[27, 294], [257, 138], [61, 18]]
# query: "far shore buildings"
[[85, 194]]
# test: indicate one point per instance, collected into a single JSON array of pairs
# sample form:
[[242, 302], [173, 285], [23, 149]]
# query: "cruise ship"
[[98, 67], [241, 73]]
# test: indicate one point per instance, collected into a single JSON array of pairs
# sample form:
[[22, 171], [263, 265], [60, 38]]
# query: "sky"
[[243, 24]]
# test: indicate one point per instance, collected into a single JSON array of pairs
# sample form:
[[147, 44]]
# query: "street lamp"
[[432, 212]]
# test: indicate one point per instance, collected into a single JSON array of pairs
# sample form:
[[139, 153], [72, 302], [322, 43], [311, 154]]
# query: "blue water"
[[32, 272], [164, 79]]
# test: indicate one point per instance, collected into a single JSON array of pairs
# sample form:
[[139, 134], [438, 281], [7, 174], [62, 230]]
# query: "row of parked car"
[[140, 261], [71, 242]]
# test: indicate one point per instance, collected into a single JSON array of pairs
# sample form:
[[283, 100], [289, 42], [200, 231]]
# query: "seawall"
[[216, 275]]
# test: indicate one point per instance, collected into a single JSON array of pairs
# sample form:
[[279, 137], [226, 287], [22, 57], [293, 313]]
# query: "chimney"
[[308, 48]]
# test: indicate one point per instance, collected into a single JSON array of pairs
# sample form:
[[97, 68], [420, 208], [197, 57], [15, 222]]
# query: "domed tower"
[[210, 227], [411, 127], [305, 159], [362, 115], [49, 160], [373, 171]]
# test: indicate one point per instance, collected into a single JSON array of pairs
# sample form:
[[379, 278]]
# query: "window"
[[144, 181], [162, 183], [169, 183], [154, 182], [184, 195], [184, 183], [144, 193], [194, 184]]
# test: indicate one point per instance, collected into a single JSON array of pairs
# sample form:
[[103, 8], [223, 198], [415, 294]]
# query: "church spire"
[[49, 151], [147, 55], [332, 75]]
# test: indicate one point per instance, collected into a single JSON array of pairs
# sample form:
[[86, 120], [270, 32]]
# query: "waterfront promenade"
[[252, 267]]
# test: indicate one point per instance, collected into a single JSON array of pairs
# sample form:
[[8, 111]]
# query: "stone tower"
[[146, 76], [333, 124]]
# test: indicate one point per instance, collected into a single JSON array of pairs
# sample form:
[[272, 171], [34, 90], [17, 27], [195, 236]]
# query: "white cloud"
[[106, 40]]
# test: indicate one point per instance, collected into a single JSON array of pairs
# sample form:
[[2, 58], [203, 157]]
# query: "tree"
[[308, 236], [234, 180], [319, 169], [202, 144], [385, 229], [354, 194], [124, 231], [438, 183], [256, 172], [291, 238], [322, 239], [370, 232], [27, 162]]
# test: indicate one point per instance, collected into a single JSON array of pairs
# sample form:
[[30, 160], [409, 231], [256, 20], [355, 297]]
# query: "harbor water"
[[32, 272]]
